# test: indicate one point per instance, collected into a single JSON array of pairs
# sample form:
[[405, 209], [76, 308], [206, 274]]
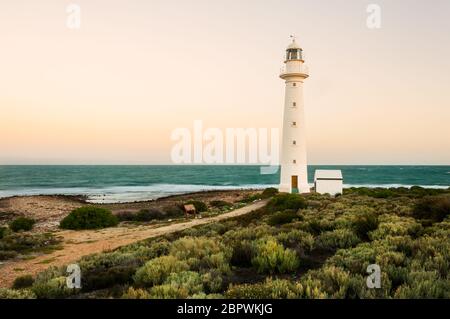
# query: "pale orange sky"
[[113, 91]]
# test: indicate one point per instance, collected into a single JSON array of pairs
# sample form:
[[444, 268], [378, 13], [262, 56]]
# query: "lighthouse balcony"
[[297, 70]]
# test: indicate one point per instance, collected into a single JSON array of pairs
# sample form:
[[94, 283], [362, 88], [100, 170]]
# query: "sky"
[[114, 90]]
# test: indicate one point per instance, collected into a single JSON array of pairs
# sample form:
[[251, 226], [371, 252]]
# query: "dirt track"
[[81, 243]]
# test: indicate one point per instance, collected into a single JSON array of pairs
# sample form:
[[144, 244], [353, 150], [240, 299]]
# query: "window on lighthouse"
[[294, 104], [294, 54], [294, 142]]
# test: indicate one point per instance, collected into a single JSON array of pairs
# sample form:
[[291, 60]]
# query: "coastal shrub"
[[333, 280], [108, 277], [297, 239], [251, 198], [212, 281], [117, 267], [269, 192], [339, 238], [24, 243], [138, 293], [126, 216], [243, 253], [89, 217], [220, 203], [285, 201], [16, 294], [202, 253], [199, 205], [434, 208], [157, 270], [5, 255], [173, 211], [355, 259], [272, 289], [280, 218], [55, 288], [51, 284], [22, 223], [365, 223], [3, 232], [392, 225], [272, 257], [178, 286], [146, 215], [424, 285], [21, 282]]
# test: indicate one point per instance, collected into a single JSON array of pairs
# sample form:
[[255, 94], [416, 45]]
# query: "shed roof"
[[327, 174]]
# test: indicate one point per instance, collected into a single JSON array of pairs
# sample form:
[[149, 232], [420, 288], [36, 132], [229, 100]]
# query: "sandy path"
[[81, 243]]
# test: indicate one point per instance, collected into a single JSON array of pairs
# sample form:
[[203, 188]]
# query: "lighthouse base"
[[301, 189]]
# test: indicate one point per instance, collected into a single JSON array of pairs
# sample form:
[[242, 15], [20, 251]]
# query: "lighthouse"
[[294, 174]]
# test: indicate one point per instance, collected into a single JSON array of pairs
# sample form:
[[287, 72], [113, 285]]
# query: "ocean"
[[109, 184]]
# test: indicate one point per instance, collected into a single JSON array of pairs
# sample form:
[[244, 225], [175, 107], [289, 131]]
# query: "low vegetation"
[[199, 205], [89, 217], [312, 246], [22, 224], [14, 245], [151, 214]]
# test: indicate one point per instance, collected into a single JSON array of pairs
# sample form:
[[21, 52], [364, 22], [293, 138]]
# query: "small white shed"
[[328, 181]]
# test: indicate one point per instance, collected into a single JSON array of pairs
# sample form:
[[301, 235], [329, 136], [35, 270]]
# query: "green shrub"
[[157, 270], [25, 243], [243, 253], [55, 288], [173, 211], [272, 257], [249, 198], [5, 255], [297, 239], [435, 208], [3, 232], [273, 289], [178, 286], [16, 294], [220, 203], [212, 281], [424, 285], [202, 253], [146, 215], [21, 282], [280, 218], [355, 260], [52, 284], [89, 217], [269, 192], [365, 223], [132, 293], [199, 205], [285, 201], [126, 216], [22, 223], [339, 238], [392, 225]]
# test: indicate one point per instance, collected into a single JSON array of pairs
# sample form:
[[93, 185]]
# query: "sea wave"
[[122, 194]]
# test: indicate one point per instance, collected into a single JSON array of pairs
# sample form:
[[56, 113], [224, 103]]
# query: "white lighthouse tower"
[[294, 174]]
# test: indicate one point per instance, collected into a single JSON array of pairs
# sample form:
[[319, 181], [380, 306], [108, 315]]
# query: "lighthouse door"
[[294, 184]]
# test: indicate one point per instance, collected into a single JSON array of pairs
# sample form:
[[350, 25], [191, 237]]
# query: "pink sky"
[[113, 91]]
